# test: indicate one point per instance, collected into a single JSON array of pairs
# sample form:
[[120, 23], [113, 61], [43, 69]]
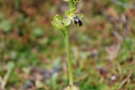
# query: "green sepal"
[[79, 15], [57, 17], [56, 25], [57, 22], [66, 22]]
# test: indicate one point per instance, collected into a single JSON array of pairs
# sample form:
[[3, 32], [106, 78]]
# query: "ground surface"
[[32, 52]]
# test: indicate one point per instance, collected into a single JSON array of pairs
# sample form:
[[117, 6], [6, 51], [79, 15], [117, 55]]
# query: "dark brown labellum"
[[77, 21]]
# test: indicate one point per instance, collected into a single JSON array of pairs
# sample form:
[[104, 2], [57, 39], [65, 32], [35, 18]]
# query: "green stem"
[[71, 4], [67, 40]]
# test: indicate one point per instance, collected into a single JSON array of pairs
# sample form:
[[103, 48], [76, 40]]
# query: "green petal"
[[69, 12], [67, 22], [72, 10]]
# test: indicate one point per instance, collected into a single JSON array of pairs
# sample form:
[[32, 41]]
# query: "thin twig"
[[125, 5], [126, 79], [0, 79], [4, 81]]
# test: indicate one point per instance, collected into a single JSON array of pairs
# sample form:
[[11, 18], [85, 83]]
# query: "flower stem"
[[67, 40], [71, 4]]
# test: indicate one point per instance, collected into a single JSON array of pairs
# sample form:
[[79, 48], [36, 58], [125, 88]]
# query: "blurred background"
[[32, 51]]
